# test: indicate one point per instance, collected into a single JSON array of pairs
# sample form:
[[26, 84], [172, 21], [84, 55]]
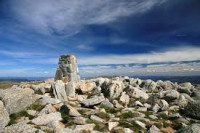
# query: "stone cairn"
[[66, 78], [67, 70]]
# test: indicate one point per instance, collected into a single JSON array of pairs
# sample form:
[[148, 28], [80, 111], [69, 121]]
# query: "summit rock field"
[[119, 104]]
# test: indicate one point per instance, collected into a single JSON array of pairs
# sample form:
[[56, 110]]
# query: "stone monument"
[[67, 70]]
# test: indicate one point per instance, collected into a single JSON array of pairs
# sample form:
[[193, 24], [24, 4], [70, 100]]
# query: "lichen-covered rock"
[[113, 89], [87, 86], [149, 85], [136, 93], [4, 116], [16, 100], [193, 128]]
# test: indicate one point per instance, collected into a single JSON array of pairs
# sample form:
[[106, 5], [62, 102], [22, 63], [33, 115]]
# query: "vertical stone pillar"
[[67, 70]]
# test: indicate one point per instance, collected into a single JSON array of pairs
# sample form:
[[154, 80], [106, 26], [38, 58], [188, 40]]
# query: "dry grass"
[[5, 85]]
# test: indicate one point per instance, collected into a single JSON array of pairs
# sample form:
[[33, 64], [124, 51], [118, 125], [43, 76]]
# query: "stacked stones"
[[67, 76], [67, 70]]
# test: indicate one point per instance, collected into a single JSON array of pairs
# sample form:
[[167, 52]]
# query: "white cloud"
[[69, 16], [166, 70], [168, 55]]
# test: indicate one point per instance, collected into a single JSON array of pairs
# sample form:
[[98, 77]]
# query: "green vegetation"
[[98, 125], [14, 117], [129, 114], [130, 124], [103, 115], [36, 106]]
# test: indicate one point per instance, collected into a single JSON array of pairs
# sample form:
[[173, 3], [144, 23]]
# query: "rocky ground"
[[116, 105]]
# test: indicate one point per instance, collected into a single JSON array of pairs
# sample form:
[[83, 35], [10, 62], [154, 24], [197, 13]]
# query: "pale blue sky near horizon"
[[124, 37]]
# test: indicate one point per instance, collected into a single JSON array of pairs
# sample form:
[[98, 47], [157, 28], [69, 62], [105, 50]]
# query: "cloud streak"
[[169, 55], [69, 16]]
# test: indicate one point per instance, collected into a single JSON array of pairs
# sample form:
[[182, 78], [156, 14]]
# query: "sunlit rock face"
[[67, 70]]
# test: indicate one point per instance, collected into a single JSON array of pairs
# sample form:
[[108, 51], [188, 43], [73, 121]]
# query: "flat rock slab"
[[93, 101]]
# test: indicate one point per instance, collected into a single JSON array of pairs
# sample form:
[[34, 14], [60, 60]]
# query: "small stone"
[[164, 105], [81, 97], [47, 110], [107, 103], [73, 111], [55, 125], [154, 129], [32, 112], [167, 130], [155, 108], [96, 118], [112, 125], [124, 98], [138, 103], [80, 120], [86, 127], [141, 124]]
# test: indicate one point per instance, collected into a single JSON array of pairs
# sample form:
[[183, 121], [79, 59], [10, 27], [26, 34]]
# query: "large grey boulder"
[[149, 85], [171, 95], [93, 101], [113, 89], [4, 116], [16, 100], [136, 93], [194, 128], [135, 82], [193, 110], [20, 128], [165, 85], [59, 90]]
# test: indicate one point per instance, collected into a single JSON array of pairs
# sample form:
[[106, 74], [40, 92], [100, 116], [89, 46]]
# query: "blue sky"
[[109, 37]]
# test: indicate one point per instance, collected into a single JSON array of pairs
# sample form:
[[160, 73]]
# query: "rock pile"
[[67, 70], [108, 105]]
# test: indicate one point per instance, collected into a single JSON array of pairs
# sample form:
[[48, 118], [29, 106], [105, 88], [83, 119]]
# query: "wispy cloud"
[[61, 16]]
